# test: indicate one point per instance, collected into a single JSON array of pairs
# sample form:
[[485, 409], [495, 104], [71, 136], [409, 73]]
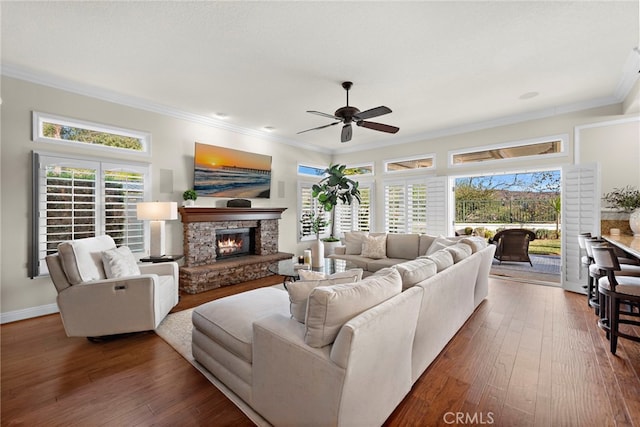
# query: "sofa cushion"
[[459, 251], [119, 262], [439, 243], [329, 308], [374, 247], [425, 243], [378, 264], [299, 291], [416, 271], [476, 243], [353, 242], [405, 246], [82, 258], [229, 321], [442, 258]]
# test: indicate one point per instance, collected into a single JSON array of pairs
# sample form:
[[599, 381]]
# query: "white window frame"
[[38, 266], [563, 138], [40, 118], [431, 168], [327, 231]]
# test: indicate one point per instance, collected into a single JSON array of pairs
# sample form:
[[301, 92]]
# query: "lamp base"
[[156, 239]]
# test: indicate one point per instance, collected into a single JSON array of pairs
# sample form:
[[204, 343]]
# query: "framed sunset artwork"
[[224, 172]]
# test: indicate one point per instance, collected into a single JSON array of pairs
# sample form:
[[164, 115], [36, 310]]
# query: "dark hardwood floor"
[[530, 355]]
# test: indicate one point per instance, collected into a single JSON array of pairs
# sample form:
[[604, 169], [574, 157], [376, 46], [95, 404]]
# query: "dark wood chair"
[[614, 292], [513, 245]]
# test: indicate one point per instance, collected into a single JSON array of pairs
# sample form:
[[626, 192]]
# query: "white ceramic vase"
[[634, 222], [317, 254]]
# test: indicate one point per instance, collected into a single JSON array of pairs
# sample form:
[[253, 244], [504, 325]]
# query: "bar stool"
[[614, 290], [585, 260], [595, 273]]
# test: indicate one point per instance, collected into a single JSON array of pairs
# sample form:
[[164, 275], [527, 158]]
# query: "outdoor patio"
[[546, 268]]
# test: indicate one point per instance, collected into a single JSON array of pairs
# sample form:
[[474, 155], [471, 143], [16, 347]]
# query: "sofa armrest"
[[293, 382], [161, 269], [110, 306]]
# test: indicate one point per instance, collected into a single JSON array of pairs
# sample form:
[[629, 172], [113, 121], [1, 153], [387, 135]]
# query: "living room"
[[600, 129]]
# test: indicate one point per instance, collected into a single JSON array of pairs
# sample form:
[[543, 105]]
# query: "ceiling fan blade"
[[378, 126], [319, 127], [331, 116], [346, 133], [374, 112]]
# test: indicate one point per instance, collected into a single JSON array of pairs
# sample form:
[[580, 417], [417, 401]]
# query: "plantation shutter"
[[66, 198], [124, 188], [580, 214], [307, 205], [416, 208], [354, 217], [436, 206], [395, 205]]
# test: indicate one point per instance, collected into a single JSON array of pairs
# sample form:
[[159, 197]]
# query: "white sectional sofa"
[[361, 348]]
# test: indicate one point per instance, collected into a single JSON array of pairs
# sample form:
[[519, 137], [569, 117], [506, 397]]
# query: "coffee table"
[[287, 268]]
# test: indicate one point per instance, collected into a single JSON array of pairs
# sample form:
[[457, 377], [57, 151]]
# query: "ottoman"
[[222, 338]]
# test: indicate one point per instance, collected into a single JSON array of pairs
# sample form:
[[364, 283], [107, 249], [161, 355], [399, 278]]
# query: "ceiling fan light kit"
[[349, 115]]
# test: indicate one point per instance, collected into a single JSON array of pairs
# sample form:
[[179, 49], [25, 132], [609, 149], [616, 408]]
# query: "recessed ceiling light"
[[269, 128], [529, 95]]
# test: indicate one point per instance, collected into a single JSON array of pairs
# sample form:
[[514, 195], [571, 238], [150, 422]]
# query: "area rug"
[[175, 329]]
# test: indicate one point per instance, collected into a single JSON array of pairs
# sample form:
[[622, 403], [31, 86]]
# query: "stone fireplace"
[[225, 246]]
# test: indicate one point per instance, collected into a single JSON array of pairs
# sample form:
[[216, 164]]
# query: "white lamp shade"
[[157, 211]]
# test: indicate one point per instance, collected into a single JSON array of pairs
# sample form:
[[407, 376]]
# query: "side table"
[[163, 258]]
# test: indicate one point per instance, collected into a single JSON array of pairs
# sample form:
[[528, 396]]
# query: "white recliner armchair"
[[124, 297]]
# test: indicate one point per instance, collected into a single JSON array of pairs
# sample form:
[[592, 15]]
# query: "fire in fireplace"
[[234, 242]]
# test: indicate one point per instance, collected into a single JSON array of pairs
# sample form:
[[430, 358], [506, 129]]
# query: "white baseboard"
[[28, 313]]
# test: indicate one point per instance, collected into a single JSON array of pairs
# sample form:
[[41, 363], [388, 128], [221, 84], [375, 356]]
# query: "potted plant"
[[626, 199], [190, 197]]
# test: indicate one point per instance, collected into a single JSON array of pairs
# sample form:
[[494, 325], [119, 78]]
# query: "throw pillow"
[[439, 243], [416, 271], [119, 262], [375, 247], [459, 251], [476, 243], [299, 291], [329, 308], [310, 275], [353, 242]]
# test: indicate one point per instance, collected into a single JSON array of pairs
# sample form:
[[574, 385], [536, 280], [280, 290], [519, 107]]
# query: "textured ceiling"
[[440, 66]]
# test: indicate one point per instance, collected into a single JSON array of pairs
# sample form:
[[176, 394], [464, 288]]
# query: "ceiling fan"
[[348, 115]]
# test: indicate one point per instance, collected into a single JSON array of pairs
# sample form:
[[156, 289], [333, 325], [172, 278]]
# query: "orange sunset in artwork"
[[224, 172]]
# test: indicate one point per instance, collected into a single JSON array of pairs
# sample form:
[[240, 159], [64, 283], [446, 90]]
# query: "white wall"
[[172, 149]]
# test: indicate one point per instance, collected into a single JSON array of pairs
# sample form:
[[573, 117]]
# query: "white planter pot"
[[189, 203], [634, 222], [317, 254], [330, 248]]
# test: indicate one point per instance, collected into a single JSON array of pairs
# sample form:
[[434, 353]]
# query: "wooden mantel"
[[203, 214]]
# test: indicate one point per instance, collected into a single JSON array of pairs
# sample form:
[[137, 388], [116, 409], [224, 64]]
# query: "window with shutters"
[[78, 198], [308, 208], [405, 207], [356, 216]]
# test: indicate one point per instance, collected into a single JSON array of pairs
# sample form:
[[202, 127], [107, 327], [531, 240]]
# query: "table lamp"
[[157, 213]]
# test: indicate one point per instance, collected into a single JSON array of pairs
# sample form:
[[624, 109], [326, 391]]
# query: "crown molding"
[[55, 82]]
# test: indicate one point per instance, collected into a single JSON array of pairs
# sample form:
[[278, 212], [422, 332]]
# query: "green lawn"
[[545, 247]]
